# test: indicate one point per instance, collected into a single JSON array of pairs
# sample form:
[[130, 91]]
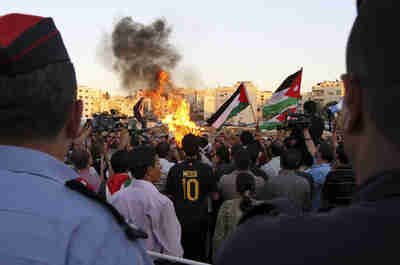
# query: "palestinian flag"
[[283, 101], [235, 104]]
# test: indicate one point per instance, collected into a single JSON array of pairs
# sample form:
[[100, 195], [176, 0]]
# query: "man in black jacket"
[[366, 232]]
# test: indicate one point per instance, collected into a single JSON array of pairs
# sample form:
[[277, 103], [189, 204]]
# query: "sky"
[[221, 41]]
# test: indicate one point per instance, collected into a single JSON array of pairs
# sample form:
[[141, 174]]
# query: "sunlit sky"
[[221, 41]]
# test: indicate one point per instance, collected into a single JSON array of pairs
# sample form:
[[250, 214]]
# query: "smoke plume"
[[138, 52]]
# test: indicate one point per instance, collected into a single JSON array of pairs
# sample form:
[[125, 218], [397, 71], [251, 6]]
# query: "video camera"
[[296, 122], [106, 122]]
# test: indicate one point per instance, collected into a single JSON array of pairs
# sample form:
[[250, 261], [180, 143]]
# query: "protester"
[[120, 166], [255, 155], [273, 167], [367, 230], [43, 220], [144, 206], [221, 161], [288, 184], [231, 211], [82, 161], [163, 150], [227, 183], [340, 183], [189, 184], [323, 157]]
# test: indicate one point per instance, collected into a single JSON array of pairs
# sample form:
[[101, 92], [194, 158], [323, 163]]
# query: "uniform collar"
[[383, 186], [24, 160]]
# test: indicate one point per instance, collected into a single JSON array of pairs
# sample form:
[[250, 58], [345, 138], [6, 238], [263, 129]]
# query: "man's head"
[[162, 149], [144, 164], [242, 159], [190, 145], [325, 153], [80, 159], [37, 83], [246, 138], [291, 159], [276, 149], [310, 107], [120, 161], [372, 91], [222, 154]]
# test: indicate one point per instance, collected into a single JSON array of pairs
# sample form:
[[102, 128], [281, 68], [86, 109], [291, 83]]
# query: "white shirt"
[[273, 167], [165, 166], [146, 208]]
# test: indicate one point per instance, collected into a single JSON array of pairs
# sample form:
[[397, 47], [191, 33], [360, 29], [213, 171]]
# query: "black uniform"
[[366, 232], [189, 183]]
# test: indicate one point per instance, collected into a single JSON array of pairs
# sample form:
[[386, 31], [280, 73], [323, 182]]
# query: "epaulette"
[[261, 209], [131, 233]]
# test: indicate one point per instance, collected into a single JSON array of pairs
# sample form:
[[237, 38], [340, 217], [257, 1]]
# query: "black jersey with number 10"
[[189, 183]]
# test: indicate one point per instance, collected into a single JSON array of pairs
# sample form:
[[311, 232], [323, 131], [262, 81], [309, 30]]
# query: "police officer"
[[189, 184], [42, 220], [366, 232]]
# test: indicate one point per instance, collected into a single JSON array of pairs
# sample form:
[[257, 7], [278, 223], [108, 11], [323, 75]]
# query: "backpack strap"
[[131, 233]]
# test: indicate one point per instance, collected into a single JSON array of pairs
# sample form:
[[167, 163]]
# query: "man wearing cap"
[[43, 222], [366, 232]]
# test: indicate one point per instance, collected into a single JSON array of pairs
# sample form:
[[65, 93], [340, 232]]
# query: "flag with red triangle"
[[233, 106], [283, 101]]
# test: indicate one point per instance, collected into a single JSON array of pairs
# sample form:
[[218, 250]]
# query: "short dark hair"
[[223, 153], [36, 105], [245, 182], [246, 138], [141, 158], [372, 59], [310, 107], [190, 145], [162, 149], [276, 148], [291, 159], [80, 159], [235, 148], [341, 155], [120, 161], [326, 151], [242, 159], [203, 141]]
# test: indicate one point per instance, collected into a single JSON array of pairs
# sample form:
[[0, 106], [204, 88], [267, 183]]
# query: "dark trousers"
[[194, 236]]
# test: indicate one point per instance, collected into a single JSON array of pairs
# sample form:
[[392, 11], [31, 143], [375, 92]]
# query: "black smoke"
[[139, 52]]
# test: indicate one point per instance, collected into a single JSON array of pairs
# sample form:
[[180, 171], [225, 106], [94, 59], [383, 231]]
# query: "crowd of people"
[[189, 199], [73, 195]]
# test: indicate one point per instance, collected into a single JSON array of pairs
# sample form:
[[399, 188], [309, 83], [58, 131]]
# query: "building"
[[327, 91], [262, 98], [213, 100], [91, 98]]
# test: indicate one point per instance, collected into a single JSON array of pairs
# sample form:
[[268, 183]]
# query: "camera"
[[296, 122]]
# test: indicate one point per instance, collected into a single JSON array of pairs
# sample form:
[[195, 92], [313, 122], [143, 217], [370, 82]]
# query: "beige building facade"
[[214, 98], [327, 91]]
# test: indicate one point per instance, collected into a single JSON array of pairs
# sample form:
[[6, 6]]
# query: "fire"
[[172, 109]]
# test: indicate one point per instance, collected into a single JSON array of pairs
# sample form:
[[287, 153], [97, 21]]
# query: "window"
[[339, 93]]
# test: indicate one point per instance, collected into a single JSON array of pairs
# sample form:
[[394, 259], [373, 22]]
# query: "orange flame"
[[172, 109]]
